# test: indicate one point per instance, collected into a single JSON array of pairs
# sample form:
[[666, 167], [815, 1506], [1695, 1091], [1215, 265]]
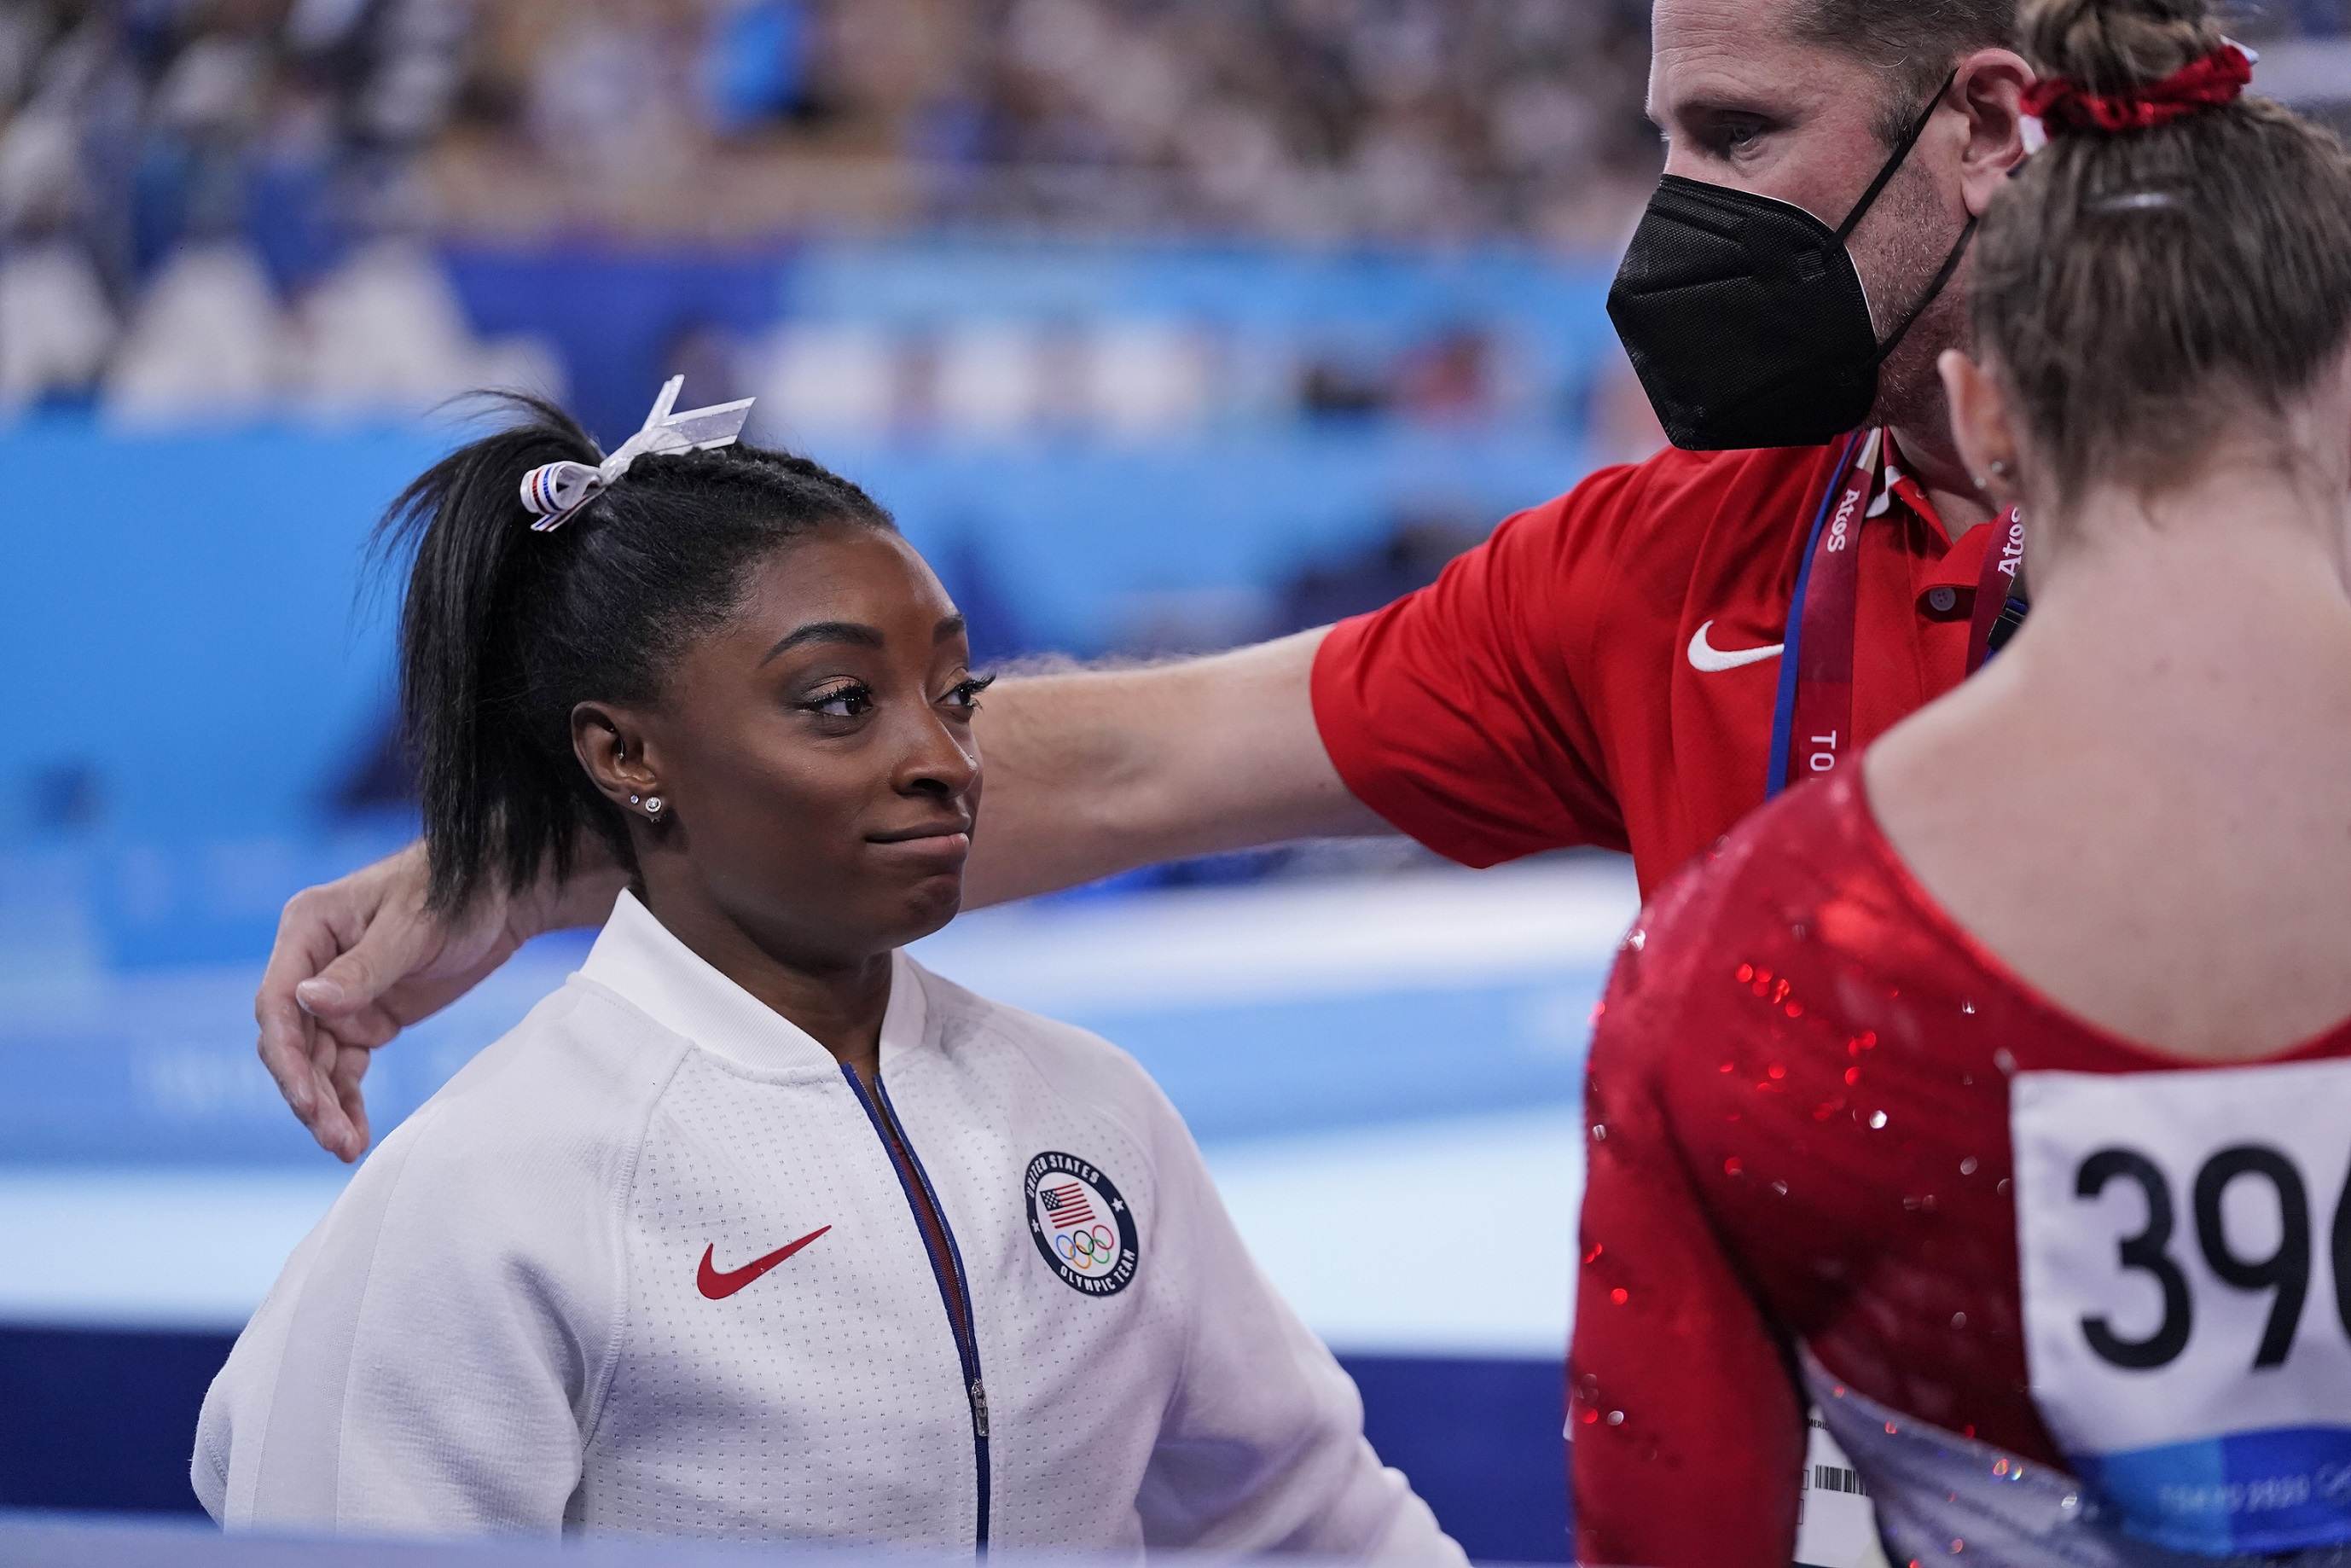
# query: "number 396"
[[2285, 1272]]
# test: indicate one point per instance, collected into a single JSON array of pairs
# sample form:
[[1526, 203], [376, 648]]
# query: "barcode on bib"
[[1834, 1478]]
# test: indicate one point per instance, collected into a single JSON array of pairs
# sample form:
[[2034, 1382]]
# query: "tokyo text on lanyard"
[[1813, 730]]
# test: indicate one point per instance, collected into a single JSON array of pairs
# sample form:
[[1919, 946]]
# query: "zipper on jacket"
[[946, 1264]]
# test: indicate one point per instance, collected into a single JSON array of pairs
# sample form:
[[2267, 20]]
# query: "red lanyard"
[[1814, 732], [1996, 585]]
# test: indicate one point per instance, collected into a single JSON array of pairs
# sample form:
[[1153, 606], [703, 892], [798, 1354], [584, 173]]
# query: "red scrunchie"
[[2220, 78]]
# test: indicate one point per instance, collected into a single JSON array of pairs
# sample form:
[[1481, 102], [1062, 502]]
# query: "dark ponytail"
[[504, 631]]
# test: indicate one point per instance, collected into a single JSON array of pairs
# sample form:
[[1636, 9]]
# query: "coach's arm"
[[1089, 772]]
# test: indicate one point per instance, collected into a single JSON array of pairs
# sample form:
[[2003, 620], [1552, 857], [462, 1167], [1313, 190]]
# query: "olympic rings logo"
[[1081, 1226], [1089, 1249]]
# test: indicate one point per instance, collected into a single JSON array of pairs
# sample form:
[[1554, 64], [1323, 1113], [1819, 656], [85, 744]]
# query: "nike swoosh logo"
[[719, 1286], [1708, 659]]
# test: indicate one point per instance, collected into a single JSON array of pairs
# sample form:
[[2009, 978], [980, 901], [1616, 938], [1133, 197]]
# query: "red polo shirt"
[[1542, 692]]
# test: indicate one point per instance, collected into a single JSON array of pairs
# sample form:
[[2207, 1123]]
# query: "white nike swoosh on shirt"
[[1708, 659]]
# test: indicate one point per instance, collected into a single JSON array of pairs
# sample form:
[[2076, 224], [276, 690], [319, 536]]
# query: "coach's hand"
[[359, 960]]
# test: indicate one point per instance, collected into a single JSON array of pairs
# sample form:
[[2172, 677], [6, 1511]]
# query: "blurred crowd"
[[1318, 119], [1325, 118], [213, 206]]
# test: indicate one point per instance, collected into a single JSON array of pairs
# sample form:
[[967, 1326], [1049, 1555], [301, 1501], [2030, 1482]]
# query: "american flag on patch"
[[1067, 1204]]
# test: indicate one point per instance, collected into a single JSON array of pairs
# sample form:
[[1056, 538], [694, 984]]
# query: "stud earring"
[[2001, 469], [639, 799], [654, 806]]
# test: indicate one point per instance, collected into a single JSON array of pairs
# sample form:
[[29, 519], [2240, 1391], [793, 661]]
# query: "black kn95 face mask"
[[1746, 319]]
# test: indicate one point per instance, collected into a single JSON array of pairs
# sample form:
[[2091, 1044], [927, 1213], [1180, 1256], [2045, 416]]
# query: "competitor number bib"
[[2185, 1240]]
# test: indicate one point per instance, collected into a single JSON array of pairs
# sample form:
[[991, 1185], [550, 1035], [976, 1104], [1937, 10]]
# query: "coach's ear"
[[1990, 87], [1983, 427]]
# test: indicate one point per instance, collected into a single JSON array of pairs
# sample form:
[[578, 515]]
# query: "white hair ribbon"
[[555, 492]]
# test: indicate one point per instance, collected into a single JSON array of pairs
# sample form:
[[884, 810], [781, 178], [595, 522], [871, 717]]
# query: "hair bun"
[[2111, 47]]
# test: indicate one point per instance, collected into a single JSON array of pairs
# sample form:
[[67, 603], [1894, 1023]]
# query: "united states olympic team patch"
[[1082, 1225]]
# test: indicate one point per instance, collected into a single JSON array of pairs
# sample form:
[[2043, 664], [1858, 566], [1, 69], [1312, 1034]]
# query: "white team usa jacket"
[[654, 1262]]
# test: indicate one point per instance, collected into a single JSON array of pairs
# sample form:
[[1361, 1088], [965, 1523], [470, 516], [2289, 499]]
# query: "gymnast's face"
[[814, 754]]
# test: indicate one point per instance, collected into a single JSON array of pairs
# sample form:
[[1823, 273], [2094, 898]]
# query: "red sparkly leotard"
[[1837, 1150]]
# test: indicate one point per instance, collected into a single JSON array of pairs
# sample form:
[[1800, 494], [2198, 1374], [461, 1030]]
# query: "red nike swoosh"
[[719, 1286]]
